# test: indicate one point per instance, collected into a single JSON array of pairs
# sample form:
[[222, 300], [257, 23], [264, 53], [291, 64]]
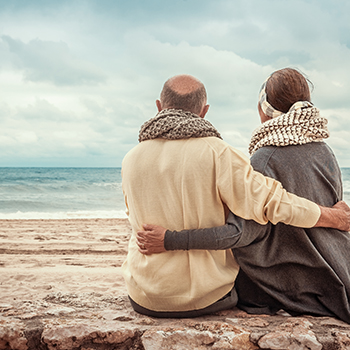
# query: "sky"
[[79, 78]]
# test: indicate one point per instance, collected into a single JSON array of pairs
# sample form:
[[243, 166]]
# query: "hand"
[[151, 240], [343, 215], [336, 217]]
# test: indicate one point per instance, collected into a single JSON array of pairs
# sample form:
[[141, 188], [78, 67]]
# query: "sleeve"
[[253, 196], [235, 234]]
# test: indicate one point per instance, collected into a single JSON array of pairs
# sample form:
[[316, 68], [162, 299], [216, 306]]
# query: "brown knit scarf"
[[175, 124], [299, 126]]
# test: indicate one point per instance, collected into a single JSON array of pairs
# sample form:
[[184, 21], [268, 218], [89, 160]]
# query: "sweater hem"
[[177, 303]]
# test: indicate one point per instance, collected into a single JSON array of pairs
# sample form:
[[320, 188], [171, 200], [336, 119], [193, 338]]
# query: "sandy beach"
[[75, 256], [61, 288]]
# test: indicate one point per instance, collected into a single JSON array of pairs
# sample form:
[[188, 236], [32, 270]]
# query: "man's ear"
[[159, 105], [204, 111]]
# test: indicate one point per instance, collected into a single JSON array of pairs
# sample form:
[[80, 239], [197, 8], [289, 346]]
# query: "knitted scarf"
[[175, 124], [301, 124]]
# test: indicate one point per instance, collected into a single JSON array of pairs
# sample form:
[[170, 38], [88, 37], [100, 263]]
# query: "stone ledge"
[[95, 321]]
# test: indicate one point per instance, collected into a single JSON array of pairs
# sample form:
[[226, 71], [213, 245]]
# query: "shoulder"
[[133, 151], [220, 147], [261, 159], [281, 161]]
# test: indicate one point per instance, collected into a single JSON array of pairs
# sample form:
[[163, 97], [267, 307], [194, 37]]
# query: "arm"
[[239, 232], [253, 196], [157, 239], [272, 161], [236, 233], [230, 235]]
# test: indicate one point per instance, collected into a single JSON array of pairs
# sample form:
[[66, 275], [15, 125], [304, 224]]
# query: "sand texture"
[[38, 257], [61, 289]]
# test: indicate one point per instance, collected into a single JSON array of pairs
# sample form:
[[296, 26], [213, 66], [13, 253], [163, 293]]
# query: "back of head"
[[184, 92], [286, 87]]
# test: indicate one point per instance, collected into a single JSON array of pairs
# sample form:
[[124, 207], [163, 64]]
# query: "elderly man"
[[182, 175]]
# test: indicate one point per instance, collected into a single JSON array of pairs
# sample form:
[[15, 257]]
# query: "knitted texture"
[[297, 127], [175, 124]]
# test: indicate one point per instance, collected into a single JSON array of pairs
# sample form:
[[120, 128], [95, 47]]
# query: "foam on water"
[[98, 214]]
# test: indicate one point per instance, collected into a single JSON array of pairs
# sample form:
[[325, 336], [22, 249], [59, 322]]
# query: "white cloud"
[[46, 61], [26, 137]]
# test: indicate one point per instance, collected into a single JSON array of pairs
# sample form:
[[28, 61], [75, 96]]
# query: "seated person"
[[303, 271]]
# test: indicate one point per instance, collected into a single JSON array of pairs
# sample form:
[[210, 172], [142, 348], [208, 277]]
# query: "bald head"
[[184, 84], [183, 92]]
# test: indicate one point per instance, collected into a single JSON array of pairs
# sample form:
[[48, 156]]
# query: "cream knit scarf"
[[175, 124], [301, 124]]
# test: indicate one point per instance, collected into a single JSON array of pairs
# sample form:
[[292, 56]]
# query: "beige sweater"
[[184, 184]]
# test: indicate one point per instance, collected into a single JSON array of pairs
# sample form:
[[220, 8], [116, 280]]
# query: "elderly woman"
[[302, 271]]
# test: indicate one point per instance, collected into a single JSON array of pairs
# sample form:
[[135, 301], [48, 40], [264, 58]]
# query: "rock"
[[59, 311], [73, 334], [253, 322], [116, 316], [295, 334], [343, 339], [5, 307], [275, 340], [198, 335], [332, 322], [92, 321], [176, 339], [29, 316], [12, 335]]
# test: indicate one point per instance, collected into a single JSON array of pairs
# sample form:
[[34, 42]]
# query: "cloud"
[[47, 61], [43, 132], [232, 81], [93, 69]]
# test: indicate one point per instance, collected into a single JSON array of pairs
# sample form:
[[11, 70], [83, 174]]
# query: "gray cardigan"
[[303, 271]]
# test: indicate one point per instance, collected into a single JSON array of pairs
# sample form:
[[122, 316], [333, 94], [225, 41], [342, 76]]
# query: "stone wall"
[[98, 321]]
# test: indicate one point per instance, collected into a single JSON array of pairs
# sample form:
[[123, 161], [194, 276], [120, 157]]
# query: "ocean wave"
[[346, 186], [56, 188], [347, 198], [116, 185], [80, 214]]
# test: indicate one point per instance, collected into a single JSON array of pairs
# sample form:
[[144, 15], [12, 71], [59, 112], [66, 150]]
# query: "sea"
[[63, 193]]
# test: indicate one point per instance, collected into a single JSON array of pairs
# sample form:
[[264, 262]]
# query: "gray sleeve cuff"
[[176, 240], [215, 238]]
